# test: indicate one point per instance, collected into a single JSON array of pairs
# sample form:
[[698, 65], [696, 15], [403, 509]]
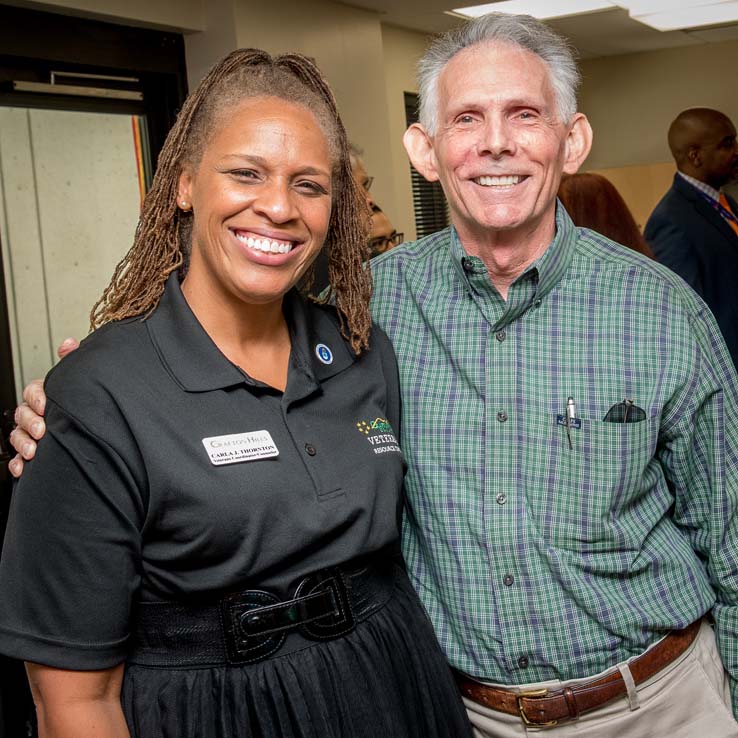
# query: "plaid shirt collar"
[[711, 192], [544, 273]]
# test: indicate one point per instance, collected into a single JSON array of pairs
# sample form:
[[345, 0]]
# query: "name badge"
[[238, 447]]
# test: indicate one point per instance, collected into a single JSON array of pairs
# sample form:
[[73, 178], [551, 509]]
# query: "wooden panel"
[[641, 186]]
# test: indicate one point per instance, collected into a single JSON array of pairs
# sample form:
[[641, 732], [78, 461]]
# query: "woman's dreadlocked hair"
[[162, 241]]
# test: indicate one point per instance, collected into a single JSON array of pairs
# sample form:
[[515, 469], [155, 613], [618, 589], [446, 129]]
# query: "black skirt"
[[386, 678]]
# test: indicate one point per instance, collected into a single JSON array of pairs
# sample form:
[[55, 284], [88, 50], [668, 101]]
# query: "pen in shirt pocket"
[[569, 419]]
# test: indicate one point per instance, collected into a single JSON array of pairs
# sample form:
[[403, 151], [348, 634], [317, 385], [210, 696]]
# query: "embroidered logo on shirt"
[[324, 354], [379, 434], [237, 447]]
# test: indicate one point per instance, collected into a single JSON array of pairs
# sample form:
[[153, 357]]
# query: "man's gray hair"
[[520, 30]]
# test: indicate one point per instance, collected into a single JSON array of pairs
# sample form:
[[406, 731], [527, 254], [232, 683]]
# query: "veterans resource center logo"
[[379, 434]]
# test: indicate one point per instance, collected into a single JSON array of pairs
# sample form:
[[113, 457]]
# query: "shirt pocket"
[[587, 497]]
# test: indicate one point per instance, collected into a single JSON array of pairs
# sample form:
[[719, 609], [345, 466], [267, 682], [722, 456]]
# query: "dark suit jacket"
[[690, 237]]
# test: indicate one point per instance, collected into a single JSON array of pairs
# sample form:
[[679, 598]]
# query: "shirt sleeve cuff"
[[62, 654]]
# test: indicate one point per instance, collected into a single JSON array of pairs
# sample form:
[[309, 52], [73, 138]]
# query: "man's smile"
[[505, 180]]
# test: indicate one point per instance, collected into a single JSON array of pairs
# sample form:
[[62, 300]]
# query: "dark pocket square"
[[625, 412]]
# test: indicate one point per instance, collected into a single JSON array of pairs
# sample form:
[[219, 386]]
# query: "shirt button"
[[467, 264], [508, 579], [501, 498], [523, 662], [500, 336], [502, 416], [537, 303], [310, 449]]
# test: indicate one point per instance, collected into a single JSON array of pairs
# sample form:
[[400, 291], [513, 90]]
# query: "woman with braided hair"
[[207, 542]]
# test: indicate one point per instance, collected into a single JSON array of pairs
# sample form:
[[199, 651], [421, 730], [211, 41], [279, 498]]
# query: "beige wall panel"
[[202, 50], [179, 15], [22, 252], [88, 189], [347, 45], [631, 100], [402, 49], [641, 186]]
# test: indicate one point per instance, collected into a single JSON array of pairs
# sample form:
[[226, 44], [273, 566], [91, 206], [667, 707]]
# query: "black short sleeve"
[[74, 523]]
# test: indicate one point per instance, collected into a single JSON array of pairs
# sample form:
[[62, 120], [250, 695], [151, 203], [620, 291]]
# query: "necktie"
[[731, 221]]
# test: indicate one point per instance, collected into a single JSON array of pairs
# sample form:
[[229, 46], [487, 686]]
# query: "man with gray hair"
[[569, 422]]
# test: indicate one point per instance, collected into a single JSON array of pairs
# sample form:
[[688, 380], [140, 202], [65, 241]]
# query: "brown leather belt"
[[545, 707]]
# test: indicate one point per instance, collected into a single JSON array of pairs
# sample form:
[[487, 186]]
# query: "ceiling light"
[[646, 7], [694, 17], [663, 15], [537, 8]]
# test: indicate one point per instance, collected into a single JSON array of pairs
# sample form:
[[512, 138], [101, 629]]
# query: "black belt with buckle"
[[250, 626]]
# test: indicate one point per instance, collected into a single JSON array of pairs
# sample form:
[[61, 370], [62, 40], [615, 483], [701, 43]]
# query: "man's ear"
[[419, 149], [578, 143], [694, 155]]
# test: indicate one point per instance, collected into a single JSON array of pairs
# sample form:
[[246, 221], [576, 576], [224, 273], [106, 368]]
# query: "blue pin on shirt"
[[324, 353]]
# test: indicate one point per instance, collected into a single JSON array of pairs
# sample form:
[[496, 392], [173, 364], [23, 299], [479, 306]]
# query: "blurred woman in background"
[[593, 202]]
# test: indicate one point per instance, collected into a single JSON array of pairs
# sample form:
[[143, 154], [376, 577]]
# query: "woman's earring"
[[184, 205]]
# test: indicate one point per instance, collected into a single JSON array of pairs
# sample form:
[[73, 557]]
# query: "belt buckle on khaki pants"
[[521, 709]]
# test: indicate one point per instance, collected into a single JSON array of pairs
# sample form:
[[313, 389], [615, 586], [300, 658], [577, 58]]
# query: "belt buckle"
[[521, 710], [341, 620], [242, 647]]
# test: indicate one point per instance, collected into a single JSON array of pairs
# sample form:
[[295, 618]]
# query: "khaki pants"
[[687, 699]]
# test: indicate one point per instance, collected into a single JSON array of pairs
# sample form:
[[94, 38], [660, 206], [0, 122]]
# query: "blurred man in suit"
[[694, 229]]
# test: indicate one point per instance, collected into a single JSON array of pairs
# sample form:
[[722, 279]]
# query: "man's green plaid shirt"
[[534, 559]]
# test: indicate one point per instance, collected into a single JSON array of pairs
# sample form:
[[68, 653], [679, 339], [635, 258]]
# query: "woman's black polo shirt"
[[168, 474]]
